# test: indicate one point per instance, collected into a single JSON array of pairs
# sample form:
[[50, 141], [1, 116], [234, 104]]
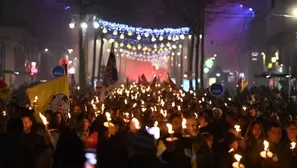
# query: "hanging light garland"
[[148, 56], [153, 34], [141, 44]]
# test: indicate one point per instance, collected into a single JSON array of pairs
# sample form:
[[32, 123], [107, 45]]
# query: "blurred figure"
[[176, 121], [252, 144], [83, 130], [281, 153], [77, 110], [59, 121], [192, 126], [224, 158], [27, 123], [204, 150], [11, 146]]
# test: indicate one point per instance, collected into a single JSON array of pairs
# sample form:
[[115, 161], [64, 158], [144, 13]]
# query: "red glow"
[[134, 69], [34, 70]]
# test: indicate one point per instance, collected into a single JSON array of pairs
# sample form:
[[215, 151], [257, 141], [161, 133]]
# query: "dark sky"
[[47, 19]]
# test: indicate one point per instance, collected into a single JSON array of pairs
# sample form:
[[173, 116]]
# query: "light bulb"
[[146, 35], [122, 36], [115, 32], [130, 33], [96, 25], [138, 37], [169, 37], [182, 36], [71, 25], [84, 25], [161, 38], [153, 39], [104, 30], [139, 46]]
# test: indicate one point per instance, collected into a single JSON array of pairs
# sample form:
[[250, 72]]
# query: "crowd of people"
[[154, 125]]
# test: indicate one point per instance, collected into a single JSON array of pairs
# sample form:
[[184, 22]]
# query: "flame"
[[169, 127], [196, 115], [108, 117], [173, 104], [69, 115], [237, 157], [136, 123], [231, 150], [43, 118], [184, 123], [266, 145], [4, 113], [156, 124], [126, 102], [237, 128], [163, 112], [35, 99], [293, 145]]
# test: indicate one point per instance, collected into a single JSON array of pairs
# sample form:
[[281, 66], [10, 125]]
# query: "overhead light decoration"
[[122, 36], [96, 25], [144, 55], [130, 33], [144, 42], [138, 37], [146, 32], [153, 39], [104, 30], [115, 32]]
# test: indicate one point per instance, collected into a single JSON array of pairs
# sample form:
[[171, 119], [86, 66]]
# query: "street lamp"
[[294, 12], [96, 25], [84, 25], [71, 25], [46, 50]]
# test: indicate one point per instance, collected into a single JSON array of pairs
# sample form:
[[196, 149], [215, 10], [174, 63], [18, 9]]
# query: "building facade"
[[281, 36], [18, 50]]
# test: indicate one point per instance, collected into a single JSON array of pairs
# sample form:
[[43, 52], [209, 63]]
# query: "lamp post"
[[83, 26]]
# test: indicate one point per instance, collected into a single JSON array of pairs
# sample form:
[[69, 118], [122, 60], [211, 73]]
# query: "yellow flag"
[[51, 95], [161, 147]]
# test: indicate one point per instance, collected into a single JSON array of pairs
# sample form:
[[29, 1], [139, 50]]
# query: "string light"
[[138, 37], [145, 55], [122, 28], [122, 36], [146, 44]]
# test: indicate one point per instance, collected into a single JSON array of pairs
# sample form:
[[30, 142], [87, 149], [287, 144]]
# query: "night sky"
[[48, 19]]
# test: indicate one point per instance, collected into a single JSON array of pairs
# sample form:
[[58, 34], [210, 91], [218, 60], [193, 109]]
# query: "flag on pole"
[[171, 83], [111, 72], [153, 84], [52, 95], [242, 84], [144, 80]]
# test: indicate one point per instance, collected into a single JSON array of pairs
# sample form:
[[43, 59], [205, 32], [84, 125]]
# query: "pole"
[[197, 61], [100, 56], [289, 89], [120, 67], [94, 57], [202, 44], [82, 69], [182, 65], [190, 63]]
